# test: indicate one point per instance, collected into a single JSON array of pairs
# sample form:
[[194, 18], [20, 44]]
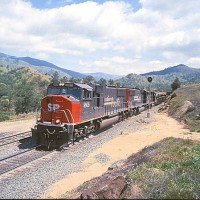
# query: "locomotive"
[[73, 110]]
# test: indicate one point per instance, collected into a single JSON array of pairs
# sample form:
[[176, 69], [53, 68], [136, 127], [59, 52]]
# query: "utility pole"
[[149, 96]]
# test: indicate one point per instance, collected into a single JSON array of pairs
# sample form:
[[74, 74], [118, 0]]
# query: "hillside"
[[183, 72], [39, 65], [163, 79], [184, 105], [21, 90]]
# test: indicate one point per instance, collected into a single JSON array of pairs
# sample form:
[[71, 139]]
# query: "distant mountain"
[[99, 75], [183, 72], [163, 79], [41, 66]]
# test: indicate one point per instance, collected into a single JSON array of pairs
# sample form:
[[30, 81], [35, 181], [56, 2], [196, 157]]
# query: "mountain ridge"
[[162, 78], [169, 70], [49, 67]]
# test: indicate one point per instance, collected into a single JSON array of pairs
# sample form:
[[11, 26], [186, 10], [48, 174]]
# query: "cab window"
[[87, 94]]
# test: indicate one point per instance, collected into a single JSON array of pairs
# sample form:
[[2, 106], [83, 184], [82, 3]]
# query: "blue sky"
[[116, 37], [48, 4]]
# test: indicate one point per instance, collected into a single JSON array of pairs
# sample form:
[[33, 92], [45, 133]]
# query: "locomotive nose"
[[59, 109]]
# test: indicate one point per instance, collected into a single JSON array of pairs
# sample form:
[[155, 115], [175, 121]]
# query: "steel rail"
[[10, 163], [12, 136]]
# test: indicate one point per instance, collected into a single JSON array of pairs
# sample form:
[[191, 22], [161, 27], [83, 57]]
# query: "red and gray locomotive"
[[74, 110]]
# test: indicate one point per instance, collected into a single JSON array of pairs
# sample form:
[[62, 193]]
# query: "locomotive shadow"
[[26, 143], [102, 130]]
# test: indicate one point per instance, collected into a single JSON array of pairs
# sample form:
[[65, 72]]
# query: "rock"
[[132, 191], [113, 190], [187, 107]]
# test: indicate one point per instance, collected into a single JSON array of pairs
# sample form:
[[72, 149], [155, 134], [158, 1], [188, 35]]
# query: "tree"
[[88, 79], [176, 84], [26, 98], [3, 89], [55, 78], [118, 84], [74, 80], [111, 82], [64, 79], [4, 103], [102, 81]]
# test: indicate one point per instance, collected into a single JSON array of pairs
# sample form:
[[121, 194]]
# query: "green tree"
[[88, 79], [26, 98], [74, 80], [176, 84], [118, 84], [102, 81], [111, 82], [64, 79], [55, 78], [3, 89], [4, 103]]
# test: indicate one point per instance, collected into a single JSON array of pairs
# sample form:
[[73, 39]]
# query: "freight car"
[[74, 110]]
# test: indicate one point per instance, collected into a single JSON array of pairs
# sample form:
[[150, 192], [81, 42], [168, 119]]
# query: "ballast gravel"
[[32, 182]]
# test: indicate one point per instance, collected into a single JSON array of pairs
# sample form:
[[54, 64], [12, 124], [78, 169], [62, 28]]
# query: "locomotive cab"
[[61, 110]]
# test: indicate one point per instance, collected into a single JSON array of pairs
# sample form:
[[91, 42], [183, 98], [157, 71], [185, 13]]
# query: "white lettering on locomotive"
[[109, 99], [53, 107], [137, 98], [86, 104]]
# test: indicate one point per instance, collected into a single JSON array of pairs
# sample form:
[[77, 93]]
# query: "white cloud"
[[194, 61], [106, 37]]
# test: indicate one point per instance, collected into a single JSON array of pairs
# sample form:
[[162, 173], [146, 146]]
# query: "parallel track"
[[17, 160], [14, 138]]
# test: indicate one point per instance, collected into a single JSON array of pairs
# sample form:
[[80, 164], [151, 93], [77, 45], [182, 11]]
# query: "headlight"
[[57, 121], [39, 119]]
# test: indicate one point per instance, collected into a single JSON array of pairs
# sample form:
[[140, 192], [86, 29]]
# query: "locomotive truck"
[[73, 110]]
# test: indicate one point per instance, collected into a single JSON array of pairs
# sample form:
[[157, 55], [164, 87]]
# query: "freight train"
[[73, 110]]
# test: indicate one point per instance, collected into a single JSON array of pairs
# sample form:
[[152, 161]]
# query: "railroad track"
[[17, 160], [14, 138]]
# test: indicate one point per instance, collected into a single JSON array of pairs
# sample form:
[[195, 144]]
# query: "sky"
[[115, 37]]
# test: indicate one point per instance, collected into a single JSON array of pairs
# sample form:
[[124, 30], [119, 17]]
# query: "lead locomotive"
[[73, 110]]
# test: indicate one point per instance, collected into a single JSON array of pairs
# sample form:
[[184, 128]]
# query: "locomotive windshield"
[[66, 91]]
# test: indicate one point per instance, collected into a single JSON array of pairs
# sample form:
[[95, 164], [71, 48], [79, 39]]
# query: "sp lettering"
[[53, 107]]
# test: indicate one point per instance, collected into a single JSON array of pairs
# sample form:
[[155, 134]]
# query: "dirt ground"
[[119, 148]]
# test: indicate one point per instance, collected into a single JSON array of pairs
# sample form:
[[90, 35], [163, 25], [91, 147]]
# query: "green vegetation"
[[176, 84], [172, 172], [20, 91], [192, 117]]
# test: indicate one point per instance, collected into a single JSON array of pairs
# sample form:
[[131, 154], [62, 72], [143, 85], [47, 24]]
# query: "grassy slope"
[[172, 171], [187, 93]]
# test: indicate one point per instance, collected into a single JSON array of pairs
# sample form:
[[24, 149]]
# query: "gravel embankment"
[[32, 182]]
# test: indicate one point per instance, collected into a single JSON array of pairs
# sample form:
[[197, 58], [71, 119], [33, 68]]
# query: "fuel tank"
[[109, 122]]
